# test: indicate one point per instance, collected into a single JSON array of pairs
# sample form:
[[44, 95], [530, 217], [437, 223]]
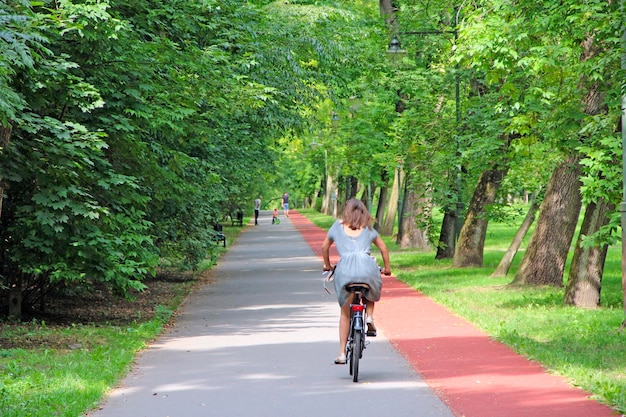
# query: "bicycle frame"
[[356, 336], [357, 314]]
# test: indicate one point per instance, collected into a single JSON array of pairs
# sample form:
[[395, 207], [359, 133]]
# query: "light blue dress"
[[356, 264]]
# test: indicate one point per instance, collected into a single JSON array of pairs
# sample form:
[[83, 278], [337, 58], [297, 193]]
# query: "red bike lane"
[[473, 374]]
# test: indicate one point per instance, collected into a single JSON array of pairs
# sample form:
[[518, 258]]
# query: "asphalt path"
[[261, 341]]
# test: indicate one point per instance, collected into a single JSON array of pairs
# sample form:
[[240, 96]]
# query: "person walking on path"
[[257, 209], [285, 202], [353, 236]]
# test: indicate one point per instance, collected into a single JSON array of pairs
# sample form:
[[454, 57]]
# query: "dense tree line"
[[535, 117], [541, 80], [130, 127]]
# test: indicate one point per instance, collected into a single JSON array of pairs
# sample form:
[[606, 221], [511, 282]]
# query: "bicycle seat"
[[357, 287]]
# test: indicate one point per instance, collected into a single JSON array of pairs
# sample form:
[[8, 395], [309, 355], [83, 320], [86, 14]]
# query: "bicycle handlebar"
[[332, 271]]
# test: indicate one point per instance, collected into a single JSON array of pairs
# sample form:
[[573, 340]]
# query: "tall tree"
[[415, 227], [506, 261], [546, 255], [63, 200], [585, 278], [471, 243]]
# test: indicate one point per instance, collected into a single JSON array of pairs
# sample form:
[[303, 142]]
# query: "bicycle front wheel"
[[357, 348]]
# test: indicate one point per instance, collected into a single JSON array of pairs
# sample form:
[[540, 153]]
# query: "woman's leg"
[[344, 326], [371, 327]]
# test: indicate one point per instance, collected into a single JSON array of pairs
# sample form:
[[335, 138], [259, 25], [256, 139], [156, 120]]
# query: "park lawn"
[[71, 371], [65, 369], [584, 346]]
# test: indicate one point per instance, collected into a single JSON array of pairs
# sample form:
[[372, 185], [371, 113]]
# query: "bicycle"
[[358, 327], [356, 338]]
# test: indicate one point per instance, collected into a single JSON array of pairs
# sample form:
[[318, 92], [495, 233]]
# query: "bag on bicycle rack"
[[329, 278]]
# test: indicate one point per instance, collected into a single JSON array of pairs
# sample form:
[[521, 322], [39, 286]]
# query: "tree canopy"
[[129, 128]]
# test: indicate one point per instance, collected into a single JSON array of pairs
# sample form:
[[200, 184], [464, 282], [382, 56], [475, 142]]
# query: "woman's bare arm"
[[326, 253], [384, 252]]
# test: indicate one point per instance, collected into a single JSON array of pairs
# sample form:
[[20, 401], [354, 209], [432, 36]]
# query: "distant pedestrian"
[[286, 204], [275, 215], [257, 209]]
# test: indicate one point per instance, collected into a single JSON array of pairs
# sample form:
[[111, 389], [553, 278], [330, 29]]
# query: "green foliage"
[[168, 116], [139, 124], [58, 381], [72, 219], [336, 69], [18, 31]]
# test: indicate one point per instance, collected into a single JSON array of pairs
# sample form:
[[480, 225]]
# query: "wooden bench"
[[219, 236], [238, 220]]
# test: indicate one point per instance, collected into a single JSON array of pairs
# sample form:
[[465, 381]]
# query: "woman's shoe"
[[371, 329], [341, 360]]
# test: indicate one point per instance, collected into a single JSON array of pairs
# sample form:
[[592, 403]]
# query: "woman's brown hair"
[[356, 216]]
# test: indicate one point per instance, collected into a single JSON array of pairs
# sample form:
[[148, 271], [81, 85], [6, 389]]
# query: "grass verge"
[[583, 346], [53, 370], [69, 378]]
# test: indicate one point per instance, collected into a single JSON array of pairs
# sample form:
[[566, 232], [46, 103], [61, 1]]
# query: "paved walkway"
[[261, 340], [474, 375]]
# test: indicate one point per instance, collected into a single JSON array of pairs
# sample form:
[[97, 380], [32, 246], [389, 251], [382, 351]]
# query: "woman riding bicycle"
[[353, 235]]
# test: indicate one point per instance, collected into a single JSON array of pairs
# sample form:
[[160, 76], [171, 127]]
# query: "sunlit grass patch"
[[584, 346], [71, 375], [65, 370]]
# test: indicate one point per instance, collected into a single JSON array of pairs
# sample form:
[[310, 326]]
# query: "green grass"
[[317, 218], [62, 381], [77, 364], [582, 345]]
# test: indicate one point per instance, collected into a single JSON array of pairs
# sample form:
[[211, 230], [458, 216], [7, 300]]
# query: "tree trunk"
[[329, 203], [352, 184], [15, 284], [471, 243], [585, 275], [392, 206], [382, 202], [447, 236], [5, 139], [15, 301], [404, 196], [388, 11], [367, 192], [507, 259], [544, 261], [417, 205]]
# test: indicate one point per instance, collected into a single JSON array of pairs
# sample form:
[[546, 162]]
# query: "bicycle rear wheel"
[[357, 348]]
